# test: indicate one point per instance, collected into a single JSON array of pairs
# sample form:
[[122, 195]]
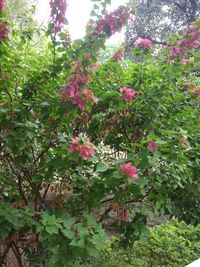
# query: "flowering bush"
[[85, 150], [2, 4], [189, 41], [3, 27], [113, 21], [130, 170], [143, 43], [72, 139], [58, 10], [3, 31], [128, 94], [152, 146]]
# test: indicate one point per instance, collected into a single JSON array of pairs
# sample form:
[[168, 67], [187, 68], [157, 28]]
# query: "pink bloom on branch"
[[3, 31], [95, 65], [2, 5], [85, 150], [152, 146], [87, 56], [190, 40], [77, 100], [90, 96], [197, 92], [74, 145], [128, 94], [130, 170], [113, 21], [73, 91], [176, 50], [143, 43], [58, 10]]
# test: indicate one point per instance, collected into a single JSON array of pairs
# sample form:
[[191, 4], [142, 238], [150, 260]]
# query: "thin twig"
[[17, 254], [3, 257], [104, 215]]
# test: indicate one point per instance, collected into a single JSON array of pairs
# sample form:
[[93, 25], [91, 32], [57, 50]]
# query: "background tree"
[[158, 19], [18, 10]]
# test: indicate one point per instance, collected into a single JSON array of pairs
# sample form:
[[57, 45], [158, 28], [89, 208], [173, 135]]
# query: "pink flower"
[[3, 31], [190, 40], [143, 43], [152, 146], [176, 50], [197, 92], [74, 146], [77, 100], [130, 170], [184, 61], [58, 10], [183, 42], [128, 94], [90, 96], [87, 56], [2, 4], [113, 21], [85, 150], [74, 90], [95, 65]]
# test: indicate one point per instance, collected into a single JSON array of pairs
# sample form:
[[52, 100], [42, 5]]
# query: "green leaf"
[[101, 167], [52, 229], [68, 233]]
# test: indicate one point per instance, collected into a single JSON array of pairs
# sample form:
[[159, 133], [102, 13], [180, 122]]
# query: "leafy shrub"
[[58, 106], [171, 244]]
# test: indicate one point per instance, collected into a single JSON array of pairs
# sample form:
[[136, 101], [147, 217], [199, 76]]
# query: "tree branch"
[[3, 257], [17, 254]]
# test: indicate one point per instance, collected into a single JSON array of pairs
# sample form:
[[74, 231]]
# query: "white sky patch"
[[78, 14]]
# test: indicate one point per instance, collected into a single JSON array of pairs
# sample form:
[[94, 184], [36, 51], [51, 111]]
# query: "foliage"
[[59, 108], [171, 244], [21, 12]]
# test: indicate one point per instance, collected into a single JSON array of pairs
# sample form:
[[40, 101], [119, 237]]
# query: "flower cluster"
[[190, 40], [152, 146], [95, 66], [89, 96], [113, 21], [3, 27], [2, 4], [75, 92], [128, 94], [85, 150], [58, 10], [3, 31], [118, 56], [143, 43], [130, 170], [197, 92]]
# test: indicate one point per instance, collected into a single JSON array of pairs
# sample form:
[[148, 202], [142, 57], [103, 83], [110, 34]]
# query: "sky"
[[78, 13]]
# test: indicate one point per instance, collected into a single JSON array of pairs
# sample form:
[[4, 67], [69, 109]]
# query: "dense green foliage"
[[54, 181], [171, 244]]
